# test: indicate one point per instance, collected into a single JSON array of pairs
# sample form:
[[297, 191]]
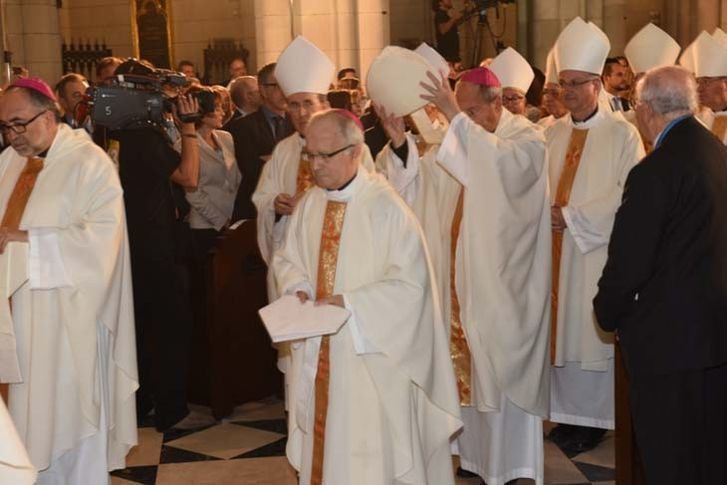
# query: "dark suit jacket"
[[664, 286], [253, 139]]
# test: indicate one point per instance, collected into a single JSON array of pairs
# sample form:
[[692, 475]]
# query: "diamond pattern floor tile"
[[226, 440], [260, 471]]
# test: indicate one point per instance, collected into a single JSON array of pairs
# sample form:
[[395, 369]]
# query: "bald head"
[[334, 143], [669, 91], [245, 93]]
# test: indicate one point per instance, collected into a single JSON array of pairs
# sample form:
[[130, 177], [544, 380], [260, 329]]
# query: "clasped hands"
[[557, 221], [336, 300], [11, 235], [285, 203]]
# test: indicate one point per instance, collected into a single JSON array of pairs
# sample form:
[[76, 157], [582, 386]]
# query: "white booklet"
[[288, 319]]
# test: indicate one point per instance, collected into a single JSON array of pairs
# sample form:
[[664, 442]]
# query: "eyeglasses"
[[513, 99], [19, 127], [326, 156], [575, 84], [270, 85]]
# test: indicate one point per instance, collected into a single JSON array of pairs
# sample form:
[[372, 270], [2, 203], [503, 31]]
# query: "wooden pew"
[[232, 360], [629, 469]]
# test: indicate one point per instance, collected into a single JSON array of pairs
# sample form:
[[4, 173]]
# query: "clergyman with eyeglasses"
[[352, 242], [67, 344], [591, 151]]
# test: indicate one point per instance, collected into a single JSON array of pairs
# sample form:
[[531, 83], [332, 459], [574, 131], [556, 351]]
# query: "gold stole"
[[719, 127], [458, 348], [562, 197], [327, 262], [16, 208], [304, 179]]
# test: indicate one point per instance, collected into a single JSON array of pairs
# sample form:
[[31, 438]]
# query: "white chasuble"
[[73, 318], [583, 353], [502, 280], [15, 466], [716, 122], [392, 400]]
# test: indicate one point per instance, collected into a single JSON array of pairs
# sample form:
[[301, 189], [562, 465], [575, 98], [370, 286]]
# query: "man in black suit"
[[664, 287], [255, 136]]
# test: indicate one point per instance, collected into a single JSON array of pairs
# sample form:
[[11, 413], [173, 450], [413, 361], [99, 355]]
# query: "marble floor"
[[248, 448]]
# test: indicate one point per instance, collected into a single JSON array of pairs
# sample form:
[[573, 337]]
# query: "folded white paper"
[[288, 319]]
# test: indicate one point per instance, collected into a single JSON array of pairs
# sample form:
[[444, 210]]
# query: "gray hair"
[[669, 91], [489, 94], [39, 100], [347, 126]]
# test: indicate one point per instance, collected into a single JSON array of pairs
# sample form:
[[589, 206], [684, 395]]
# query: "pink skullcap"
[[346, 113], [36, 84], [481, 76]]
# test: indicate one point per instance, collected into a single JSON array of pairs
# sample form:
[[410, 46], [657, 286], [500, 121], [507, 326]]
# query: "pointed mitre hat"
[[720, 35], [686, 60], [651, 47], [551, 69], [710, 56], [434, 58], [581, 46], [303, 68], [512, 70], [393, 80]]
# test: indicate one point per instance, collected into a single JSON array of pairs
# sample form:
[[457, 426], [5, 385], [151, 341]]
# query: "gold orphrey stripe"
[[327, 261], [458, 348], [562, 197], [16, 208]]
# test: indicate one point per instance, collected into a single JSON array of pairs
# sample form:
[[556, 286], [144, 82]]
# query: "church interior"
[[233, 378]]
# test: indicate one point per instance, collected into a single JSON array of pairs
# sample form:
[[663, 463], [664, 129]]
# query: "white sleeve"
[[452, 153], [402, 178], [46, 269], [361, 344]]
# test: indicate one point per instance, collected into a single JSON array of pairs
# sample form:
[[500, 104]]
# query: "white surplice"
[[392, 394], [74, 408], [583, 372], [15, 467], [503, 278]]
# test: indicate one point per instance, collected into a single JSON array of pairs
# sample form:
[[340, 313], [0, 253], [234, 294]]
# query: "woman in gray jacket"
[[219, 177]]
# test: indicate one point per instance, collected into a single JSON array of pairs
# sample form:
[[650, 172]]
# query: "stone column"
[[34, 38], [273, 30]]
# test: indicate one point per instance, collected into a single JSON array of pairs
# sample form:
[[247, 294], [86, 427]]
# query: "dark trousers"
[[163, 338], [680, 421]]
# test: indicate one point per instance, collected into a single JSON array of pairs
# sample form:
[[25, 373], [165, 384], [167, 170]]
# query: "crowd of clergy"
[[489, 262]]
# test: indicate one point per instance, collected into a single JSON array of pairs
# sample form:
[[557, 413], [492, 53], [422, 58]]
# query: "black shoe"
[[462, 473], [562, 433], [583, 439]]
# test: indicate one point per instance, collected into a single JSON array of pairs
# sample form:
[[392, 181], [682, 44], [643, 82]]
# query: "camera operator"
[[446, 26], [151, 171]]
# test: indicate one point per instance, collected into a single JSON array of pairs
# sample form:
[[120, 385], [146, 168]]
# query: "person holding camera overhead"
[[151, 170], [212, 201]]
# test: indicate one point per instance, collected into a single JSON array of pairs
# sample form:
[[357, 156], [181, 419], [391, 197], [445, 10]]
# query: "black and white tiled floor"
[[248, 448]]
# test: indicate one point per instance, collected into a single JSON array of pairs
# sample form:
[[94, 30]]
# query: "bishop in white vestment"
[[590, 153], [376, 403], [72, 399], [482, 199]]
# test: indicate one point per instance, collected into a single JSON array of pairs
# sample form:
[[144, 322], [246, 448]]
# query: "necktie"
[[278, 128]]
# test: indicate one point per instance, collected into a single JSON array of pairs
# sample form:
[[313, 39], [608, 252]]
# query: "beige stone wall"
[[33, 36], [411, 22]]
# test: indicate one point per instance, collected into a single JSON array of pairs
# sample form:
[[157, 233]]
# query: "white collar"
[[347, 192]]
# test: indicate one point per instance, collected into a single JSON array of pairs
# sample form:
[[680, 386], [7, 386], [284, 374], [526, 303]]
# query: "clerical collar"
[[345, 192], [342, 187], [586, 119], [43, 154]]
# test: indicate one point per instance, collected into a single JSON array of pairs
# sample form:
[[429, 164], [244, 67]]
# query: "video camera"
[[138, 98]]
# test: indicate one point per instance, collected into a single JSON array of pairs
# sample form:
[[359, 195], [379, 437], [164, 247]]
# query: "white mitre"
[[582, 47], [393, 80], [710, 56], [512, 70], [551, 69], [303, 68], [434, 58], [651, 47], [686, 60], [720, 35]]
